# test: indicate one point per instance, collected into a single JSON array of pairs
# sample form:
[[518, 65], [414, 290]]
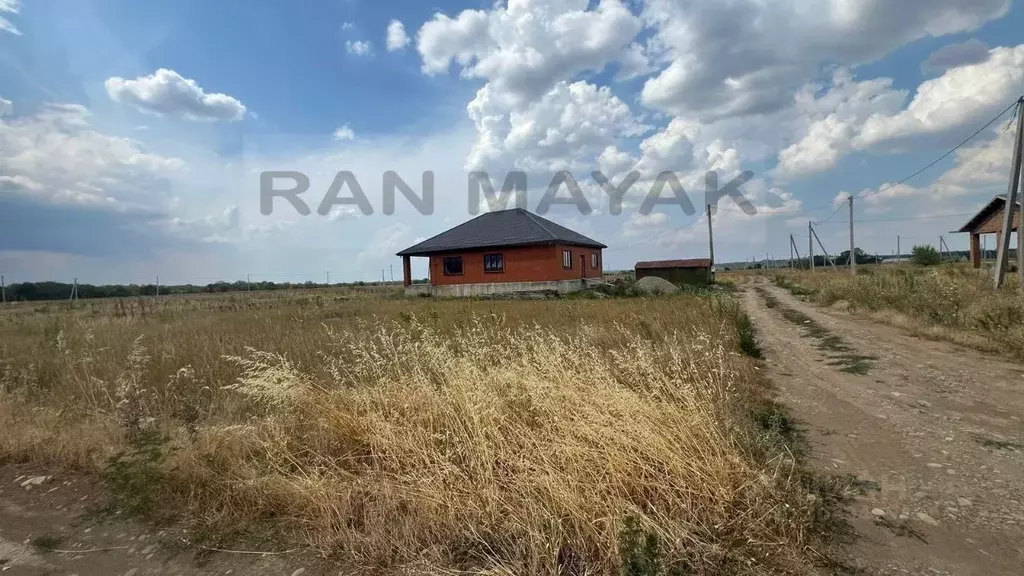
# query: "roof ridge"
[[539, 221]]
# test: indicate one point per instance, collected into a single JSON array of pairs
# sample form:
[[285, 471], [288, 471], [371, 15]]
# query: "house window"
[[453, 265], [594, 261], [567, 259], [494, 263]]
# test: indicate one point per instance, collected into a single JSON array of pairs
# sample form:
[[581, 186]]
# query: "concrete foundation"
[[492, 289]]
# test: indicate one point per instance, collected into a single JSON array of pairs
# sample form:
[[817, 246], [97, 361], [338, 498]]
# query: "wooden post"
[[407, 270], [1011, 198]]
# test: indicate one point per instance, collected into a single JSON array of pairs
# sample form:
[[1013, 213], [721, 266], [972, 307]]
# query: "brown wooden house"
[[989, 220]]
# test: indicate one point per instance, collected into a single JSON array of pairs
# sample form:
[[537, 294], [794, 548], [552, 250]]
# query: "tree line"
[[39, 291]]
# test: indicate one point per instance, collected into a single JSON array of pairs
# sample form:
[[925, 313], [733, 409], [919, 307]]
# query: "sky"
[[136, 137]]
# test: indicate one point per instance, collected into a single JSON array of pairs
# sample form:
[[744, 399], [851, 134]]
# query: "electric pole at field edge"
[[711, 239], [1002, 250], [810, 246], [853, 251]]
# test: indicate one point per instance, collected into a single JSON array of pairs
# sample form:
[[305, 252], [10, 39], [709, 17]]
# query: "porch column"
[[406, 270], [976, 250]]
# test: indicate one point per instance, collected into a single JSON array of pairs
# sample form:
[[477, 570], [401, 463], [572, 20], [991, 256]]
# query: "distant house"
[[695, 271], [988, 220], [502, 253]]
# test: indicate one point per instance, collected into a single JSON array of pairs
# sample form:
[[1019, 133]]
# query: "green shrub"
[[925, 256]]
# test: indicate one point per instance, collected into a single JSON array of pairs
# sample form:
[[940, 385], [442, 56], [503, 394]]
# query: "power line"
[[934, 217], [649, 240], [944, 156], [783, 212], [841, 206]]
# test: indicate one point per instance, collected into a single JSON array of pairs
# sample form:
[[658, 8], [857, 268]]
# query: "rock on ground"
[[653, 285]]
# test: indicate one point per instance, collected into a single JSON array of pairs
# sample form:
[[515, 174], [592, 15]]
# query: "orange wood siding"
[[522, 264]]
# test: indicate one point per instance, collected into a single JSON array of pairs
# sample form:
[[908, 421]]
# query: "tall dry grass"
[[952, 301], [417, 436]]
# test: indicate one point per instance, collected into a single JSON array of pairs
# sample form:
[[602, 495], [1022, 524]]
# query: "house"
[[694, 271], [988, 220], [502, 253]]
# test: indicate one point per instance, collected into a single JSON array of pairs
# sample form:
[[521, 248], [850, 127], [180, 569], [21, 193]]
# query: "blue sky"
[[132, 134]]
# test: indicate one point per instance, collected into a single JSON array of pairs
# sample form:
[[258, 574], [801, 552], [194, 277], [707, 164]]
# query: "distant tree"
[[925, 256]]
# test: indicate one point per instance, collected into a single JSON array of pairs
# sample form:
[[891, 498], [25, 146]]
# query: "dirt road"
[[940, 429]]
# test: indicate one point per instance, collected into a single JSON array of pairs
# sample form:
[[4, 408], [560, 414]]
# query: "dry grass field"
[[424, 436], [950, 302]]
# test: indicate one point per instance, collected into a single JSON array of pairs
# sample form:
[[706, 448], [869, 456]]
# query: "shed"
[[696, 271], [505, 252], [988, 220]]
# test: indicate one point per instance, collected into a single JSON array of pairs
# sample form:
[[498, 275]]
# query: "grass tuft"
[[46, 543]]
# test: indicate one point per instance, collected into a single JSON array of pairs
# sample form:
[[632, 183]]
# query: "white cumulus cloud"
[[396, 38], [526, 47], [165, 92], [359, 47], [750, 56], [564, 130], [344, 133], [55, 156], [856, 116]]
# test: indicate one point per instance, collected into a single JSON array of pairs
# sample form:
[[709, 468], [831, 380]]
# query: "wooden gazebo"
[[988, 220]]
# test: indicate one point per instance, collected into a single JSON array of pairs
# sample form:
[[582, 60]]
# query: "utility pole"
[[899, 254], [1011, 199], [853, 250], [157, 284], [248, 283], [810, 245], [790, 250], [711, 239], [328, 278], [793, 249], [3, 289], [74, 291]]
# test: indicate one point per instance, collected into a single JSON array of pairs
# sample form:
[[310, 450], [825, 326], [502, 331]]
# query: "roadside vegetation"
[[575, 436], [950, 302]]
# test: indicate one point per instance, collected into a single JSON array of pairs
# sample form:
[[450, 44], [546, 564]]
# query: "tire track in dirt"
[[939, 428]]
